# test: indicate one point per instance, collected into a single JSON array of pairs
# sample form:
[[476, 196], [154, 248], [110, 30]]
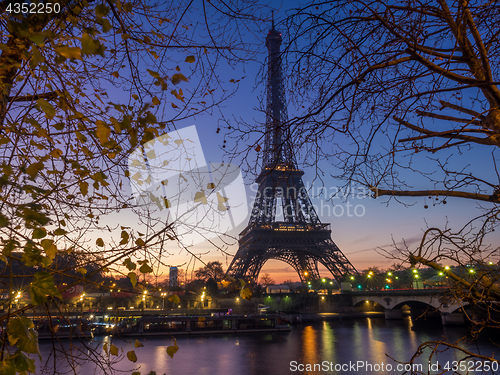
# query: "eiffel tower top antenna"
[[277, 147]]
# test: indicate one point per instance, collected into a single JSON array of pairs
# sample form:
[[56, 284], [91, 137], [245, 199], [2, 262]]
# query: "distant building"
[[172, 277]]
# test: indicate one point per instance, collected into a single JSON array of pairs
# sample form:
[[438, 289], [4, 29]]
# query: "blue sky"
[[375, 224]]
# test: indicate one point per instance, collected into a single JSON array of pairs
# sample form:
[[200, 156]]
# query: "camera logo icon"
[[202, 200]]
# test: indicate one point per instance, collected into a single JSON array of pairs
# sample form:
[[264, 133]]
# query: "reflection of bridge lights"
[[367, 301], [322, 298], [237, 299], [447, 267]]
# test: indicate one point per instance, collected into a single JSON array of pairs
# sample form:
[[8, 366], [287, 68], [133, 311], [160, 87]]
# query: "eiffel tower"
[[300, 239]]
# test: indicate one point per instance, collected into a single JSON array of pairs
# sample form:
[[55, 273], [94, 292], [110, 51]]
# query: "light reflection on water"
[[370, 339]]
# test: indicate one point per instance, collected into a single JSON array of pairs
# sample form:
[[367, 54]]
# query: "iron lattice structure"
[[299, 239]]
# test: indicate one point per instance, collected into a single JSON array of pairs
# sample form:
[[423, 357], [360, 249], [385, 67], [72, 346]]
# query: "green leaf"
[[172, 349], [59, 232], [37, 38], [99, 242], [89, 45], [23, 362], [33, 169], [131, 356], [49, 110], [125, 237], [7, 367], [50, 248], [84, 188], [41, 287], [145, 268], [129, 264], [39, 233], [9, 247], [3, 220], [175, 299], [190, 59], [21, 333], [69, 52], [103, 131], [133, 278], [101, 10], [246, 293], [36, 57]]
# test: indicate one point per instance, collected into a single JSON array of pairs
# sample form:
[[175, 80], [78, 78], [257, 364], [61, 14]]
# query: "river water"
[[357, 346]]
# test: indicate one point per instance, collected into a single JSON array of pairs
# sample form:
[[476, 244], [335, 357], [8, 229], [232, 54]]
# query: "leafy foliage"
[[79, 90]]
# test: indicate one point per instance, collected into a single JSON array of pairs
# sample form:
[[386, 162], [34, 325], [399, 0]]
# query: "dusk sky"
[[370, 223]]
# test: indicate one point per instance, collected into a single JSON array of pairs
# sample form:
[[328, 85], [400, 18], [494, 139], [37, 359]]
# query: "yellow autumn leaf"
[[221, 200], [69, 52], [172, 349], [34, 168], [56, 153], [200, 197], [103, 131], [113, 350], [137, 344], [133, 278], [84, 188], [246, 293], [131, 356], [156, 101], [175, 299]]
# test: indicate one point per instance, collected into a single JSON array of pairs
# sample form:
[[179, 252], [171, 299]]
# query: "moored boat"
[[196, 325]]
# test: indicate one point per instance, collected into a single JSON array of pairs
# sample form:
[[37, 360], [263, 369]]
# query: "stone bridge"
[[393, 300]]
